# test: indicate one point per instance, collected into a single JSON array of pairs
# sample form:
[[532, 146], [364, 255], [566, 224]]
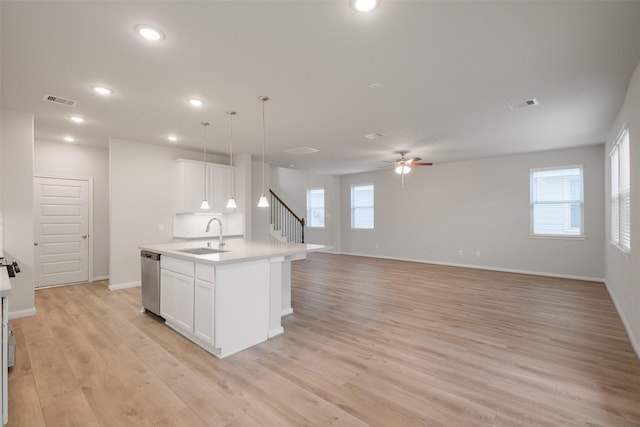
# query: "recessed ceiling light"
[[364, 5], [150, 33], [102, 90], [172, 138], [376, 85], [69, 138], [195, 102], [76, 119]]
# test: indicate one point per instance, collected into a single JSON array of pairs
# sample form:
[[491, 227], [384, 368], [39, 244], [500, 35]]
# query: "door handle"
[[35, 243], [84, 236]]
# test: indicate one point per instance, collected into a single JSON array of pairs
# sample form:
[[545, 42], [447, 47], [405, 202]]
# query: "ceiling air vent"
[[528, 103], [60, 100]]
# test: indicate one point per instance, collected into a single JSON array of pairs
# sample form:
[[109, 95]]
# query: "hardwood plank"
[[24, 404], [70, 411], [371, 342]]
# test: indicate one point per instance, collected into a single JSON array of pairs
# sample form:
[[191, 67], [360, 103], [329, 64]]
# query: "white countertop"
[[5, 284], [237, 250]]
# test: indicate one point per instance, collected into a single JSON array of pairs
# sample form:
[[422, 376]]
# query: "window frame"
[[620, 218], [372, 207], [310, 208], [532, 234]]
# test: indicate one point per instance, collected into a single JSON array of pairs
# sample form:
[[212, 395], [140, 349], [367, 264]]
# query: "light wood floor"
[[371, 342]]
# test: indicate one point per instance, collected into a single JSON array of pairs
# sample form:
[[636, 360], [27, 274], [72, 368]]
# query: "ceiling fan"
[[403, 165]]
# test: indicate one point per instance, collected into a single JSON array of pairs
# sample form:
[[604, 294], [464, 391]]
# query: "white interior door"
[[61, 231]]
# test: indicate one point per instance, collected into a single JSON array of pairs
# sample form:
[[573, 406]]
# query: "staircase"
[[286, 226]]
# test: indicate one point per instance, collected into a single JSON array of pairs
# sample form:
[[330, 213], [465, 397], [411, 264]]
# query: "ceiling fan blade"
[[421, 164]]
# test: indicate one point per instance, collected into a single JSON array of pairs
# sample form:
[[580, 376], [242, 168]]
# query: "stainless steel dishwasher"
[[150, 264]]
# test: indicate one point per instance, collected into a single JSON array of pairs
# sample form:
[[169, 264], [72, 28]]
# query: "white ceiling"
[[448, 70]]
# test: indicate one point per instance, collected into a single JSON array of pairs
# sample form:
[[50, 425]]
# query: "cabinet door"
[[184, 301], [167, 294], [220, 184], [193, 187], [203, 315]]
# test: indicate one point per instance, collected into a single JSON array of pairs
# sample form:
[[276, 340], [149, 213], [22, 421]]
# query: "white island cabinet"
[[176, 293], [228, 301]]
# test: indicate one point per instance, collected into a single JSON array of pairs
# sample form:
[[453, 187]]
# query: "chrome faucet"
[[220, 239]]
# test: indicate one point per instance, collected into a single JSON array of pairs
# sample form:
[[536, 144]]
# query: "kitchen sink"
[[202, 251]]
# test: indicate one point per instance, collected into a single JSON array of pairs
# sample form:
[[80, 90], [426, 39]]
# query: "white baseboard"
[[627, 326], [275, 332], [124, 286], [22, 313], [99, 278], [286, 312], [481, 267]]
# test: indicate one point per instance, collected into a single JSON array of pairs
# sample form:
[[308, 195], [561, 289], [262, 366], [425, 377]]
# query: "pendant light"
[[263, 203], [205, 202], [231, 204]]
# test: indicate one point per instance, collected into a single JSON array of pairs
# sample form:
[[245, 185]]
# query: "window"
[[362, 206], [557, 201], [315, 207], [621, 193]]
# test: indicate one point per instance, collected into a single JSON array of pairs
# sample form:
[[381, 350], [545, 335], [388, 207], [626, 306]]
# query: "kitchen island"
[[228, 298]]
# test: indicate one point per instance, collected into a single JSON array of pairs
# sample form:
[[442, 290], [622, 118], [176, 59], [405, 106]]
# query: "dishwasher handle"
[[151, 255]]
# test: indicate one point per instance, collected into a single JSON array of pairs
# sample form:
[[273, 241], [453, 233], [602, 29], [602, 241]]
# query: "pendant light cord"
[[231, 114], [263, 145], [204, 158]]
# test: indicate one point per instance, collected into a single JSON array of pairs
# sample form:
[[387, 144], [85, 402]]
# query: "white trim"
[[286, 312], [22, 313], [99, 278], [532, 204], [124, 286], [617, 139], [558, 236], [275, 332], [89, 182], [481, 267], [627, 327]]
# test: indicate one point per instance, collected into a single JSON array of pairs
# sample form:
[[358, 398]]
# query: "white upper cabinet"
[[191, 186]]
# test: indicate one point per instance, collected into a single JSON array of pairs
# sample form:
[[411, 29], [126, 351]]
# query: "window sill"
[[557, 237]]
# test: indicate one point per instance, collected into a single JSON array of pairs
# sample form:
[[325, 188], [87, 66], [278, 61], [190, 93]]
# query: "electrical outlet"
[[460, 252], [477, 253], [377, 246], [161, 227]]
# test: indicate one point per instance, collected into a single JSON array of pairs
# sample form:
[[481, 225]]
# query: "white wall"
[[623, 270], [292, 185], [141, 202], [83, 162], [480, 205], [16, 180], [242, 176], [260, 217]]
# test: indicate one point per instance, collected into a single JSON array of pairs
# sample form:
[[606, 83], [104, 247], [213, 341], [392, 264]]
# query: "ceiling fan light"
[[403, 169]]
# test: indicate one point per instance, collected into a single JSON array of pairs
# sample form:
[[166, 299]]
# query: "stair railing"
[[285, 220]]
